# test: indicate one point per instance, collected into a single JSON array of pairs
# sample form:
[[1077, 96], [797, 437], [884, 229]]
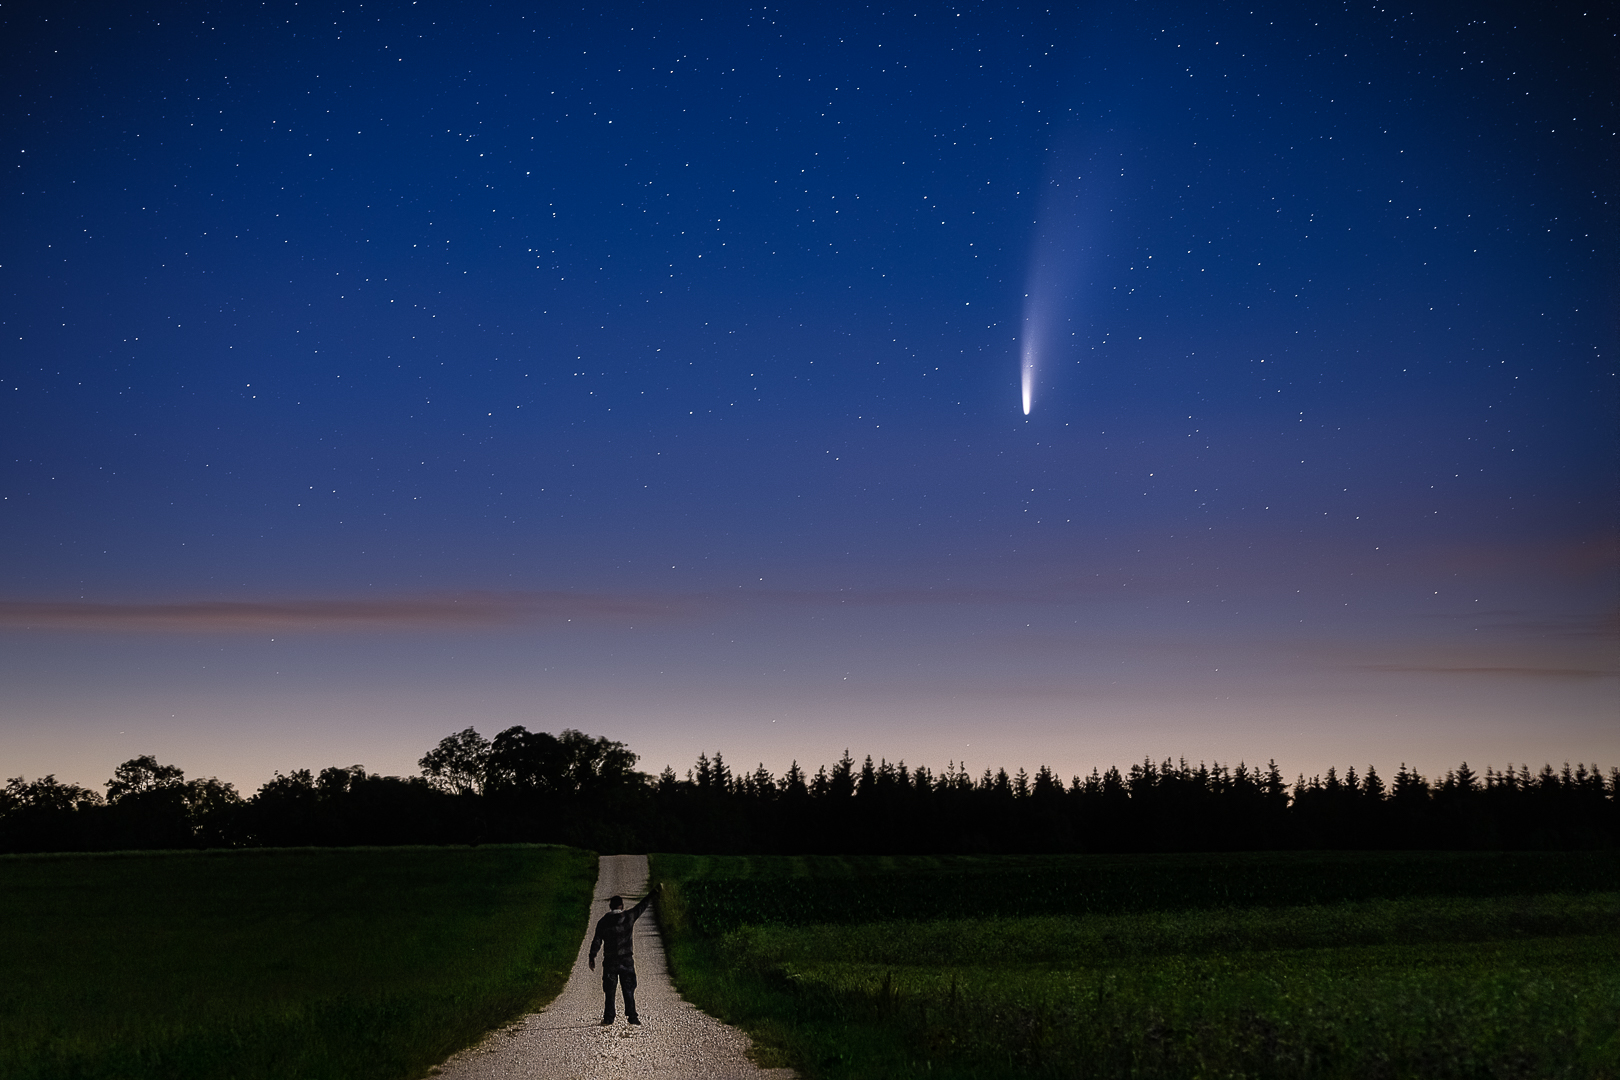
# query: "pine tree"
[[1045, 783], [1373, 786], [1276, 789], [868, 778], [843, 775], [764, 784], [1467, 781], [793, 783]]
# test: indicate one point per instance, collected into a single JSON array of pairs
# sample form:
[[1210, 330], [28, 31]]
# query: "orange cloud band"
[[469, 610], [1491, 669]]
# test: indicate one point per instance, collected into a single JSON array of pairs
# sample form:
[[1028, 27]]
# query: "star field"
[[710, 318]]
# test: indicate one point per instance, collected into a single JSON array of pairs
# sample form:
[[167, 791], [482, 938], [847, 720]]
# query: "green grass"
[[1437, 977], [352, 963], [727, 892]]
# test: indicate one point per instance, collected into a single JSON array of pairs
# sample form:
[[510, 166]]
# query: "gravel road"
[[566, 1041]]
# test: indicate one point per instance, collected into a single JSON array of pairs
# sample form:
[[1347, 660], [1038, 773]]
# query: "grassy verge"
[[1440, 979], [352, 963]]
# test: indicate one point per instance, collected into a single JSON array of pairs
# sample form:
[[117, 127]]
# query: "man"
[[613, 936]]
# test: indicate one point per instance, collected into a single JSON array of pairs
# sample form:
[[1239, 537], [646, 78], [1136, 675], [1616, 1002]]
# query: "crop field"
[[342, 963], [1264, 965]]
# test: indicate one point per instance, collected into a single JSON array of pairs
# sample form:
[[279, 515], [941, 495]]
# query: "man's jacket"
[[613, 937]]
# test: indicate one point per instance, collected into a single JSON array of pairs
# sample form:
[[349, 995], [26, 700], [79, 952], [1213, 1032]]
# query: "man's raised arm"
[[641, 906]]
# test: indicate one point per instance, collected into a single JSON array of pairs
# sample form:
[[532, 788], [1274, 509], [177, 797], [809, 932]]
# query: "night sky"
[[376, 370]]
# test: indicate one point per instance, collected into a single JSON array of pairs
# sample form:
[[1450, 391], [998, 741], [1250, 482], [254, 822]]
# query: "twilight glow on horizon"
[[371, 373]]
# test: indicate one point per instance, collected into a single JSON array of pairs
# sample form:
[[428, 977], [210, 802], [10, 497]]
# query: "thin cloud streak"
[[1600, 626], [1482, 669], [462, 611], [489, 610], [474, 610]]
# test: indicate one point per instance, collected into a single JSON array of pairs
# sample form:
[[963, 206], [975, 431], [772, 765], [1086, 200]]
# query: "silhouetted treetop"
[[581, 789]]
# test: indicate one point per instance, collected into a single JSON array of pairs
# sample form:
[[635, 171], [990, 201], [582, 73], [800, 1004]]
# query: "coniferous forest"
[[578, 789]]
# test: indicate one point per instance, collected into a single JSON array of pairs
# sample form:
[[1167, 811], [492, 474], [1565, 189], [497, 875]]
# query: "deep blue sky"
[[417, 330]]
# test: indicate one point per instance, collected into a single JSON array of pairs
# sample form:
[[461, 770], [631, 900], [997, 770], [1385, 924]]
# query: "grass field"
[[1275, 965], [309, 963]]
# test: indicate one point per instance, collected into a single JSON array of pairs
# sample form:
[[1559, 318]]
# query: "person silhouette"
[[614, 934]]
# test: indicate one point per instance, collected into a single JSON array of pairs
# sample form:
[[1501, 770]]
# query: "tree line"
[[579, 789]]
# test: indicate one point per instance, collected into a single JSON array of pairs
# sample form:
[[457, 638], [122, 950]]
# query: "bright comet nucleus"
[[1035, 329], [1029, 375]]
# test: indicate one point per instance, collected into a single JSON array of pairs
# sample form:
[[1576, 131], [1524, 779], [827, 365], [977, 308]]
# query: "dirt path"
[[566, 1041]]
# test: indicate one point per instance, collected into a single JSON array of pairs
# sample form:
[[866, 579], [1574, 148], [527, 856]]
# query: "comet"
[[1043, 303], [1051, 269], [1028, 364], [1068, 206]]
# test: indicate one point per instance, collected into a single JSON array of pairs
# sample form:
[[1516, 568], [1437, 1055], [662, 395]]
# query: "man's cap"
[[615, 901]]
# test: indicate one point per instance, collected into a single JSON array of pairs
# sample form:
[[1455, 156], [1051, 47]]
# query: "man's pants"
[[628, 979]]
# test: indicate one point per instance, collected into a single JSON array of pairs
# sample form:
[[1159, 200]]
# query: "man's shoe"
[[608, 1022], [634, 1020]]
